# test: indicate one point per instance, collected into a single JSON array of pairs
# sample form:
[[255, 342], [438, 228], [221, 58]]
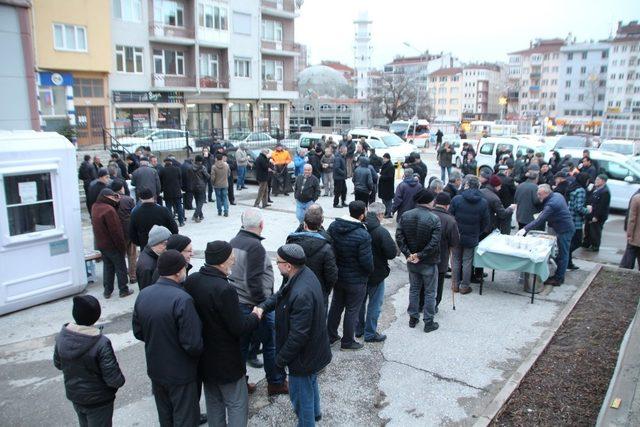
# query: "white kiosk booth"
[[41, 249]]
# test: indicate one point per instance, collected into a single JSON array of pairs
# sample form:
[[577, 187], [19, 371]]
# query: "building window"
[[209, 65], [603, 69], [569, 70], [169, 62], [569, 56], [53, 101], [567, 97], [600, 97], [605, 54], [582, 83], [69, 37], [567, 83], [242, 67], [580, 97], [554, 69], [242, 23], [128, 59], [88, 88], [172, 13], [29, 200], [213, 17], [584, 55], [128, 10], [583, 70], [272, 70], [272, 30]]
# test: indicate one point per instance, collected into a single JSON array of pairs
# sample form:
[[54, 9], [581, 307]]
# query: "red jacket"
[[107, 228]]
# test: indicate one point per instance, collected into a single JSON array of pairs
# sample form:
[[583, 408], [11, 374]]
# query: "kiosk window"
[[29, 203]]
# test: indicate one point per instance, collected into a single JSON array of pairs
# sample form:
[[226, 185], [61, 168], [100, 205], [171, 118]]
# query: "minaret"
[[362, 51]]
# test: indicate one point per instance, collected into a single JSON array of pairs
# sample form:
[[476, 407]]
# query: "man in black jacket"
[[317, 248], [96, 186], [386, 187], [362, 180], [187, 197], [306, 191], [89, 366], [598, 204], [339, 177], [146, 177], [355, 262], [148, 259], [418, 237], [87, 173], [198, 177], [124, 172], [171, 183], [383, 249], [449, 238], [221, 367], [302, 343], [165, 318], [145, 216], [262, 176]]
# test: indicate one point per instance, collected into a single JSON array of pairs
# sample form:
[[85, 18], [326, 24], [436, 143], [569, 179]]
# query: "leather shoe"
[[552, 281], [275, 389], [353, 346], [126, 293], [203, 419], [413, 322], [332, 341], [338, 206], [464, 291], [573, 267], [431, 326], [377, 338]]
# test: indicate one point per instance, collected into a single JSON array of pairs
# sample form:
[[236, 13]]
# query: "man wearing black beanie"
[[165, 318], [89, 366], [449, 238]]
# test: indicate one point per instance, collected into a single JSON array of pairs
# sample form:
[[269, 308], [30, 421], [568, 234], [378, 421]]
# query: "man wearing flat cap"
[[418, 237], [302, 341], [165, 318]]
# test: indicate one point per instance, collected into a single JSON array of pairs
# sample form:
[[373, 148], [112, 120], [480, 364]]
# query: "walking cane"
[[453, 293]]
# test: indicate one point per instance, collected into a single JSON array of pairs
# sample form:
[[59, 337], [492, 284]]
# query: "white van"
[[488, 147], [384, 142]]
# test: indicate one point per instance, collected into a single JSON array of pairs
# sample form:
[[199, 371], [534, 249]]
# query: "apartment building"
[[622, 97], [212, 66], [483, 84], [582, 86], [446, 92], [72, 44], [533, 79]]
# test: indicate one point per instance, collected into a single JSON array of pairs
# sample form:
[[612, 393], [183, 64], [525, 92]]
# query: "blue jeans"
[[562, 260], [222, 199], [175, 206], [422, 276], [267, 335], [242, 173], [442, 173], [301, 208], [305, 398], [368, 325]]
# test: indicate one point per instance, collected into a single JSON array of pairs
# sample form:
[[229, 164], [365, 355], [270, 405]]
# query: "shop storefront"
[[205, 120], [272, 119], [240, 117], [139, 110]]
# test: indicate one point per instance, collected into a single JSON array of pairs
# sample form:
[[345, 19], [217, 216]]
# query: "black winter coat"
[[362, 179], [146, 177], [165, 318], [145, 217], [421, 169], [386, 181], [320, 257], [171, 182], [419, 233], [383, 249], [314, 160], [185, 167], [600, 199], [353, 251], [87, 173], [471, 211], [302, 341], [339, 167], [89, 366], [223, 325], [500, 217], [95, 187], [507, 191], [199, 178], [261, 166], [449, 236], [309, 192], [145, 267]]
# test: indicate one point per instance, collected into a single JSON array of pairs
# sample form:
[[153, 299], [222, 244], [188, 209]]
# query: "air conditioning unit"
[[158, 80]]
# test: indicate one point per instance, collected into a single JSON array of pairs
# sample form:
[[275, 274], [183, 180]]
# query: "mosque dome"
[[323, 81]]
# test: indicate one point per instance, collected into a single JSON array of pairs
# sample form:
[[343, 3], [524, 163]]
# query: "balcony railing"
[[284, 5], [276, 85], [159, 29], [277, 45], [164, 80], [210, 82], [535, 75], [534, 88]]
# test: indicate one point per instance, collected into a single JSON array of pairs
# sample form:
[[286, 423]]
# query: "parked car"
[[158, 140], [253, 155], [622, 171], [308, 140], [391, 143], [487, 149], [252, 139], [621, 146]]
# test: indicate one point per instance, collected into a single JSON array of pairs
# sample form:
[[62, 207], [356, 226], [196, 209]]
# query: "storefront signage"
[[59, 247], [167, 97], [55, 79]]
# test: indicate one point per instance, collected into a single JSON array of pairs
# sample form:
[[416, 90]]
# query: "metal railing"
[[285, 45], [285, 5], [208, 82], [159, 29], [164, 80], [277, 85]]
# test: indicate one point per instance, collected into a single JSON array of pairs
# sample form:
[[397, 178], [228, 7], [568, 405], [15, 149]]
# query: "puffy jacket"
[[556, 213], [383, 249], [403, 199], [252, 273], [89, 366], [262, 168], [353, 252], [146, 177], [199, 177], [449, 236], [308, 192], [107, 228], [171, 182], [320, 257], [498, 215], [419, 233], [362, 178], [339, 167], [302, 341], [220, 174], [471, 211]]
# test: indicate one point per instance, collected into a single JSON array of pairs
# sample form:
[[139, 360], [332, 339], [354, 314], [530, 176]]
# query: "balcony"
[[534, 88], [279, 48], [168, 82], [535, 75], [279, 89], [159, 32], [513, 95], [213, 83], [279, 8]]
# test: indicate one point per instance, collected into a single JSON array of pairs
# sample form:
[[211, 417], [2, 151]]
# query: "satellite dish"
[[299, 3]]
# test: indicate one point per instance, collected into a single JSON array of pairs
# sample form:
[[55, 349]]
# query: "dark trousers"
[[388, 205], [631, 255], [595, 233], [85, 184], [348, 299], [175, 208], [113, 264], [199, 197], [576, 241], [178, 405], [263, 194], [187, 199], [209, 190], [231, 195], [340, 192], [362, 196], [94, 417]]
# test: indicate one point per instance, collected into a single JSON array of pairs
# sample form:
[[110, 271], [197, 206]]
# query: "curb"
[[495, 406]]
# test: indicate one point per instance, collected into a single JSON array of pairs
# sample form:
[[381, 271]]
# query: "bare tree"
[[395, 96]]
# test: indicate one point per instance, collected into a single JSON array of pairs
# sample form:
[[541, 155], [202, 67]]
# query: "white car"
[[385, 142], [622, 171], [487, 149], [252, 138], [308, 140], [621, 146], [158, 140]]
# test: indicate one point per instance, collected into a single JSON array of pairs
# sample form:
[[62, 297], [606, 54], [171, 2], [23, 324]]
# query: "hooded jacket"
[[107, 228], [353, 255], [383, 249], [471, 211], [403, 199], [199, 178], [362, 178], [91, 372], [220, 174], [320, 257], [419, 233]]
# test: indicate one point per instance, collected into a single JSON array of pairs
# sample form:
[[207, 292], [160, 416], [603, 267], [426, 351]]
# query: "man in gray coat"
[[526, 199], [146, 177]]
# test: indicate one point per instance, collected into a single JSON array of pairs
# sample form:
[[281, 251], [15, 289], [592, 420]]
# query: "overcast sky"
[[474, 30]]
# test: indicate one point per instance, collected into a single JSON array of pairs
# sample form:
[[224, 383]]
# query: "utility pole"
[[422, 56]]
